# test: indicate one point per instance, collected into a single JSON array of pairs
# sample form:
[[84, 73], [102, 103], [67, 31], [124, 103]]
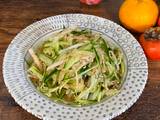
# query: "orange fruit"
[[138, 15]]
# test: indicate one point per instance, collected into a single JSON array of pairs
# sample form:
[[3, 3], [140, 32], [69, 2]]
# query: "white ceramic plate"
[[34, 102]]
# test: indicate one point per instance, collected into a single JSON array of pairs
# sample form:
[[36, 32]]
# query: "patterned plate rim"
[[50, 18]]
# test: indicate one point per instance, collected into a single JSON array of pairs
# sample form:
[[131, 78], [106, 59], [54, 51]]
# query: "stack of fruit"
[[140, 16]]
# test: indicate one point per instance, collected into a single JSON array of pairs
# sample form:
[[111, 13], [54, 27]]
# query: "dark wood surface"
[[17, 14]]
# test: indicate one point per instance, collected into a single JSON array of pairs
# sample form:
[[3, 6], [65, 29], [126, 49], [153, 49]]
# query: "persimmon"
[[150, 41]]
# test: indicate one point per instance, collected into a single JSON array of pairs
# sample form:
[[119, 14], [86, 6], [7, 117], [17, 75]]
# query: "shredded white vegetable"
[[77, 67]]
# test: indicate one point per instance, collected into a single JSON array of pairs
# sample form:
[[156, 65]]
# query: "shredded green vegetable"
[[77, 67]]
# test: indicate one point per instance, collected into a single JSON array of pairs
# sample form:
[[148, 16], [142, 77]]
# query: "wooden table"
[[17, 14]]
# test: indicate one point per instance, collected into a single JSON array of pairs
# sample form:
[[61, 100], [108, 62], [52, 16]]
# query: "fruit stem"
[[158, 2]]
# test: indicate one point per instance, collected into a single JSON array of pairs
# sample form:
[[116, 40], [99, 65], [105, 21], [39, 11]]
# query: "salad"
[[77, 67]]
